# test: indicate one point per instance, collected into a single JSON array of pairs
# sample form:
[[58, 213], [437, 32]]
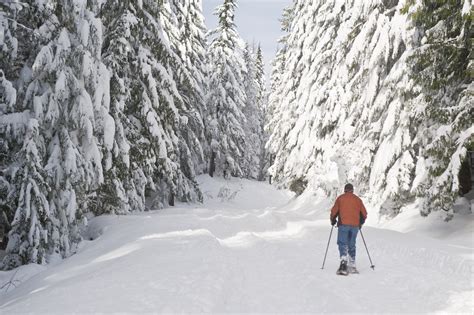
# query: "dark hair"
[[348, 188]]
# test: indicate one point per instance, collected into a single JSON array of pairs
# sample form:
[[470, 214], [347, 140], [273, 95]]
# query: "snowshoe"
[[352, 269], [342, 271]]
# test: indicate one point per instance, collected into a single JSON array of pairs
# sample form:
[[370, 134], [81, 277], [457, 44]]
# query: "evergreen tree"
[[276, 83], [190, 73], [23, 186], [33, 225], [160, 163], [262, 102], [251, 164], [254, 81], [441, 66], [226, 97], [10, 132], [8, 93], [273, 110], [289, 69], [124, 186], [260, 75], [96, 118], [64, 89], [355, 81], [59, 167]]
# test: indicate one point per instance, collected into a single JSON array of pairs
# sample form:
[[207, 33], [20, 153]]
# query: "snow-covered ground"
[[251, 248]]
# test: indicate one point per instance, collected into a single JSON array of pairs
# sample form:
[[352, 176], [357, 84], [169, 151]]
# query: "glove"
[[361, 221], [333, 221]]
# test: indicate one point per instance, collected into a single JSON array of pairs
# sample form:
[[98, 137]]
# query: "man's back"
[[350, 208]]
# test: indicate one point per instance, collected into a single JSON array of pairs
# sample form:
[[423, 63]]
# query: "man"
[[352, 214]]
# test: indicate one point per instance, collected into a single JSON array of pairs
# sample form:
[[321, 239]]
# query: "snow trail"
[[252, 251]]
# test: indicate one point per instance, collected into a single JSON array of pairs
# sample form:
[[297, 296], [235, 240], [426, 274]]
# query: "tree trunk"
[[212, 166], [171, 199]]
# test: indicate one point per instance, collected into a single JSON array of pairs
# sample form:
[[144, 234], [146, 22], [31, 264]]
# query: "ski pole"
[[372, 265], [327, 247]]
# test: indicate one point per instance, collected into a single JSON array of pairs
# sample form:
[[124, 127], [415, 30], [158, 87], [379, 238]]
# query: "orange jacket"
[[350, 209]]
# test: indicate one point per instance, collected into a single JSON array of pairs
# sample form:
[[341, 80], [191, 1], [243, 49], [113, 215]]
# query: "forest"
[[116, 106]]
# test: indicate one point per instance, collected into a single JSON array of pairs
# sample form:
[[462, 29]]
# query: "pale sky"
[[256, 20]]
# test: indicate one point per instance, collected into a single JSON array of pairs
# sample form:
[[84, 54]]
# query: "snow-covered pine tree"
[[190, 47], [255, 98], [348, 104], [288, 71], [97, 79], [124, 185], [252, 164], [273, 110], [60, 87], [260, 76], [63, 93], [8, 93], [8, 42], [33, 225], [23, 187], [146, 92], [276, 84], [226, 96], [262, 101], [184, 26], [81, 135], [441, 66]]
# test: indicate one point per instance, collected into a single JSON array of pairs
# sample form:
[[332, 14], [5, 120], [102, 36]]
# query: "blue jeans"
[[346, 240]]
